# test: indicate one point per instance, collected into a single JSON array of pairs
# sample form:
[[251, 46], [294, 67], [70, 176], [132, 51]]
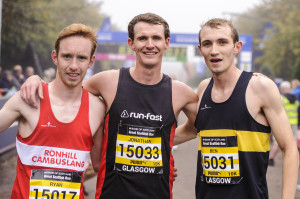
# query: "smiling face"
[[218, 49], [73, 59], [149, 44]]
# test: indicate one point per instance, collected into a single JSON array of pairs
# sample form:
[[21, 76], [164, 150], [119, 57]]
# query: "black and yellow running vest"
[[233, 148]]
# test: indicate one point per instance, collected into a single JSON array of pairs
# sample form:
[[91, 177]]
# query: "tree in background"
[[280, 44], [29, 28]]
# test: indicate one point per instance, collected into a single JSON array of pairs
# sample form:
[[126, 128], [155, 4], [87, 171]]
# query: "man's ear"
[[92, 60], [199, 48], [130, 44], [238, 47], [54, 57], [167, 43]]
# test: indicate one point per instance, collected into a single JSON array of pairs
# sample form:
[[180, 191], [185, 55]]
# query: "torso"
[[228, 124], [109, 83], [54, 150], [139, 115]]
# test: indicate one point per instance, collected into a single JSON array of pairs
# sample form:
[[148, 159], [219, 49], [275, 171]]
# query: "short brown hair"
[[148, 18], [77, 30], [215, 23]]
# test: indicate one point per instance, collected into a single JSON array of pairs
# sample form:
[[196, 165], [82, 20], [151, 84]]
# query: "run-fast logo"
[[147, 116]]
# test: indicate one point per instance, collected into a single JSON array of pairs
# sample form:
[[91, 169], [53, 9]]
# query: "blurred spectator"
[[29, 71], [295, 83], [49, 74], [18, 74], [9, 83], [296, 91], [296, 88], [290, 104]]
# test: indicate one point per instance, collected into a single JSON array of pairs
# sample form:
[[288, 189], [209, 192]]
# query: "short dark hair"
[[215, 23], [148, 18]]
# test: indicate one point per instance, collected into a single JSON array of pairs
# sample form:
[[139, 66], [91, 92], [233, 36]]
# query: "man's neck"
[[65, 93], [147, 76], [227, 79]]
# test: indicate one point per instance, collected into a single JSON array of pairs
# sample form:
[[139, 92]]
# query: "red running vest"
[[52, 159]]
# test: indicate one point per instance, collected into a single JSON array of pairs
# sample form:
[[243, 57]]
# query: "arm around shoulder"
[[29, 89], [101, 81]]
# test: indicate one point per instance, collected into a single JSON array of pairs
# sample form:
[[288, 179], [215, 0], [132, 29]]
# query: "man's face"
[[218, 49], [149, 44], [73, 59]]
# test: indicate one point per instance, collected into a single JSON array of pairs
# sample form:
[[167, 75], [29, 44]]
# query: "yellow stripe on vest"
[[248, 141]]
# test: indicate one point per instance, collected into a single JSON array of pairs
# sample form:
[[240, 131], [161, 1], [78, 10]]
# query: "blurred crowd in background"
[[12, 80]]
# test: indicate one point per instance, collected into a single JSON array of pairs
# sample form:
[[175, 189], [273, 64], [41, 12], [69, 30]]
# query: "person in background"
[[296, 91], [9, 83], [290, 104], [54, 140], [18, 73], [49, 74], [29, 71]]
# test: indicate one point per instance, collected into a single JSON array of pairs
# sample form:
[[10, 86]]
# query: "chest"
[[65, 113]]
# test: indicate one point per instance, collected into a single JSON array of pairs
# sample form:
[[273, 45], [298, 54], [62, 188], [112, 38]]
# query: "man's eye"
[[206, 44], [156, 38], [82, 58], [67, 56]]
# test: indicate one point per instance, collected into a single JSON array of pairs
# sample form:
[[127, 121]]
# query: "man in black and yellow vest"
[[290, 104]]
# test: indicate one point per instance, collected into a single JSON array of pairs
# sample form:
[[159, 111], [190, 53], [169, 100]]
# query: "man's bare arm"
[[10, 112], [268, 94], [187, 131], [96, 149]]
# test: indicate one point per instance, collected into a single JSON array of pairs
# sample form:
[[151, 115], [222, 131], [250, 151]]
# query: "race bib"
[[220, 160], [55, 184], [138, 150]]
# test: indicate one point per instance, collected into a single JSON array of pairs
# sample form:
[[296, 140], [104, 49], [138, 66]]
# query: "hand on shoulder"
[[260, 81]]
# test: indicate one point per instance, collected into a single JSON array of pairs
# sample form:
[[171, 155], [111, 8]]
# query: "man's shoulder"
[[181, 90], [261, 81], [15, 103], [105, 75], [178, 85], [95, 100], [96, 104], [263, 86]]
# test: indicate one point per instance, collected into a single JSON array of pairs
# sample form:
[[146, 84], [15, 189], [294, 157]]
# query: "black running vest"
[[136, 159], [233, 148]]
